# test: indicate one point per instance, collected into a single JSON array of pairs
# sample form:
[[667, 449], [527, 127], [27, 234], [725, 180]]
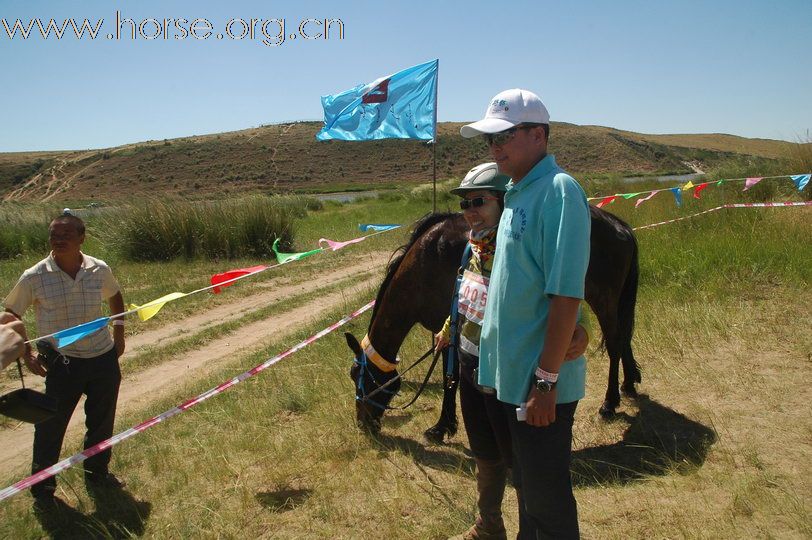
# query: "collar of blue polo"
[[539, 170]]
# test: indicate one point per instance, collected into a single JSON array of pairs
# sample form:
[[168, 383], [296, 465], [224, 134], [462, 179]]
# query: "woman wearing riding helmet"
[[482, 191]]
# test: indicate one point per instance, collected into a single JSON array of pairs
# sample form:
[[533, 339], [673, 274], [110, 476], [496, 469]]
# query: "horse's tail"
[[626, 305]]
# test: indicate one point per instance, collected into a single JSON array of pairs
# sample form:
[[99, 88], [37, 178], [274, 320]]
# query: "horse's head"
[[374, 385]]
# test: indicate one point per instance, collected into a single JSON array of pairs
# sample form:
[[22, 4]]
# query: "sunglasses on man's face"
[[476, 202], [501, 138]]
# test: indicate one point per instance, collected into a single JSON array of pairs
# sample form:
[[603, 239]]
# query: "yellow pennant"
[[147, 311], [688, 186]]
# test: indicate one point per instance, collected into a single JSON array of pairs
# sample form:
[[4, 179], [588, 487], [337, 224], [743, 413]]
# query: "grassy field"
[[718, 446]]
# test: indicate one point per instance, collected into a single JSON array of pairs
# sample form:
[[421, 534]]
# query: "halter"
[[370, 355], [363, 364]]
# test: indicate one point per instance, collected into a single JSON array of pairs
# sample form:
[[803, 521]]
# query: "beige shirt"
[[61, 302]]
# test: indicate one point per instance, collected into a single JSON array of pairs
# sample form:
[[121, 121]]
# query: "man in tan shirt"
[[67, 288]]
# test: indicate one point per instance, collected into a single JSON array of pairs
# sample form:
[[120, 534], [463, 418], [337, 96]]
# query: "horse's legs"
[[631, 371], [446, 426], [612, 399]]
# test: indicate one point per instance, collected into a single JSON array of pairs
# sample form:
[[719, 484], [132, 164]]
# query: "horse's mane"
[[420, 227]]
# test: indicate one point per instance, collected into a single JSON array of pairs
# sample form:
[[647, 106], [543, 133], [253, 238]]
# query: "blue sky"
[[742, 67]]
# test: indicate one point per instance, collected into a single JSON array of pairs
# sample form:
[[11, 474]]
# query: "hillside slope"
[[286, 157]]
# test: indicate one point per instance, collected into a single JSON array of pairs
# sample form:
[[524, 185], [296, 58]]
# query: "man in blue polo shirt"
[[537, 283]]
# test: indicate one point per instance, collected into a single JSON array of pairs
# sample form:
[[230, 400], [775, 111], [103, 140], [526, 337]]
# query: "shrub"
[[162, 230], [22, 232]]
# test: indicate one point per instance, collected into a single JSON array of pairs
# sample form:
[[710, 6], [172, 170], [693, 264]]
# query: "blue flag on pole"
[[400, 106]]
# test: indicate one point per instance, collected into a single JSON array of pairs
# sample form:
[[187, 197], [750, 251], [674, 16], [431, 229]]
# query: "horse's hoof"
[[606, 411], [435, 434], [370, 428]]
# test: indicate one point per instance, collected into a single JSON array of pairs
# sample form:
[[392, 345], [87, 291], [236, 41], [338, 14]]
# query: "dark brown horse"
[[418, 289]]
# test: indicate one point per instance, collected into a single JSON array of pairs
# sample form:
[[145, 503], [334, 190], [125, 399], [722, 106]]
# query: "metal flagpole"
[[434, 142], [434, 174]]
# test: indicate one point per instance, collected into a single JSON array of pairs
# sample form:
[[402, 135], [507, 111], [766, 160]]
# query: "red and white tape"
[[143, 426], [732, 205]]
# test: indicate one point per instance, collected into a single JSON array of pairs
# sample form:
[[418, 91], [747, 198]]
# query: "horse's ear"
[[353, 344]]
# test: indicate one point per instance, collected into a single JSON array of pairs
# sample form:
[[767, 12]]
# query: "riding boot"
[[490, 484]]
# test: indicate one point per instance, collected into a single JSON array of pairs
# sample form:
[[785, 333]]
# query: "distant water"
[[344, 196], [681, 178]]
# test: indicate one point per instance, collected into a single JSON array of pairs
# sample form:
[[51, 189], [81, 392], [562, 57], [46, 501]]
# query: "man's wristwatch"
[[544, 386]]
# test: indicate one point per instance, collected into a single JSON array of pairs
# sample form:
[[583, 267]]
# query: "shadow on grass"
[[658, 441], [283, 500], [435, 457], [118, 515]]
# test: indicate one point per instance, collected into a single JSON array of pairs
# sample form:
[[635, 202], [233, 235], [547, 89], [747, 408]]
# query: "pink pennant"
[[335, 246], [699, 188], [232, 274], [750, 182], [606, 200], [641, 201]]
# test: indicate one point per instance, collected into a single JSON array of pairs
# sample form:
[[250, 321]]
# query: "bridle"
[[363, 397]]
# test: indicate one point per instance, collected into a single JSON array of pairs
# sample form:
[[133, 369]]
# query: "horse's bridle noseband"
[[363, 364]]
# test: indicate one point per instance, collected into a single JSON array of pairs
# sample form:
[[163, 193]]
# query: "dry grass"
[[717, 447]]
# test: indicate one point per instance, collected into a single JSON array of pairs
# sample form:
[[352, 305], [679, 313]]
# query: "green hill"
[[286, 157]]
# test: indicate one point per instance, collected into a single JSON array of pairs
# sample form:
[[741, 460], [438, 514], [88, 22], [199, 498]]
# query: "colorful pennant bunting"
[[231, 275], [641, 201], [72, 335], [218, 282], [801, 180], [288, 257], [335, 246], [376, 227], [677, 195], [150, 309], [606, 200], [750, 182]]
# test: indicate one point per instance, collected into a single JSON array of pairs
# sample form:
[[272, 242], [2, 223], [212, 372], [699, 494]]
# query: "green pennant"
[[630, 195], [287, 257], [719, 183]]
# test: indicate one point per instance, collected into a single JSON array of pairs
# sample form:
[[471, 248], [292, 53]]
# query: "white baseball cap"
[[508, 109]]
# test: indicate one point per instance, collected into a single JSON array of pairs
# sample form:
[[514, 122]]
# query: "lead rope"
[[20, 369], [383, 388]]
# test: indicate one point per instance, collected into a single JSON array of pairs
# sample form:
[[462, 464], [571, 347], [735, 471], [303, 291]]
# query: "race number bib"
[[473, 296]]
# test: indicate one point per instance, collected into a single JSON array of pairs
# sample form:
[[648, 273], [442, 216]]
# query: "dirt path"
[[154, 383]]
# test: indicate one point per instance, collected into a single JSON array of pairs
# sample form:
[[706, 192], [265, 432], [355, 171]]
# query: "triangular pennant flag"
[[677, 195], [150, 309], [631, 195], [720, 182], [699, 188], [376, 227], [688, 186], [801, 180], [71, 335], [335, 246], [641, 201], [288, 257], [224, 277], [606, 200], [750, 182]]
